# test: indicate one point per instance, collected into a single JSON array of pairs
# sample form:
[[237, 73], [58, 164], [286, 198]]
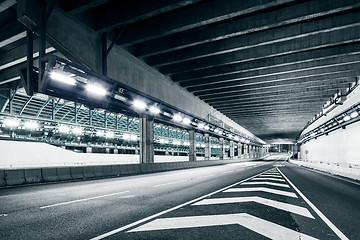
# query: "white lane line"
[[263, 189], [318, 212], [82, 200], [258, 225], [3, 215], [266, 183], [228, 172], [268, 178], [268, 202], [207, 176], [169, 183], [123, 228], [268, 175]]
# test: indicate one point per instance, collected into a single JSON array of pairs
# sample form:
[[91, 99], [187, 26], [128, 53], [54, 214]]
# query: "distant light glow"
[[177, 118], [109, 134], [62, 78], [64, 129], [100, 133], [9, 122], [220, 132], [77, 131], [31, 125], [207, 127], [133, 137], [354, 114], [202, 145], [186, 144], [138, 104], [347, 118], [186, 121], [154, 110], [96, 89], [166, 141], [162, 141], [216, 130], [126, 136], [176, 142], [322, 130], [201, 125]]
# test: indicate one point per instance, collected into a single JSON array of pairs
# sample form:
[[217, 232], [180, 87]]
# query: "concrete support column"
[[239, 150], [251, 151], [116, 151], [146, 140], [221, 149], [88, 149], [192, 147], [232, 150], [107, 150], [207, 147]]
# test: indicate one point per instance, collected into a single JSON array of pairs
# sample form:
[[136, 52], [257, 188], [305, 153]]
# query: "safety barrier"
[[350, 171], [48, 174]]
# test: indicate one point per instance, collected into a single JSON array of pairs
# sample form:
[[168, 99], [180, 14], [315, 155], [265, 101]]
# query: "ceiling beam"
[[5, 4], [79, 6], [204, 13], [303, 11]]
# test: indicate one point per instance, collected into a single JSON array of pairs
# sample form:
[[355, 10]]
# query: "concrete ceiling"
[[268, 65]]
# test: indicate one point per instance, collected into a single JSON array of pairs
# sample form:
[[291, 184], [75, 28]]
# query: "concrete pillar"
[[107, 150], [88, 149], [192, 147], [232, 150], [207, 147], [239, 150], [116, 151], [221, 148], [146, 140], [250, 151]]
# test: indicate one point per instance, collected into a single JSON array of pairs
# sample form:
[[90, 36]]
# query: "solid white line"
[[266, 183], [318, 212], [82, 200], [265, 201], [268, 178], [168, 210], [270, 175], [165, 184], [263, 189], [206, 176]]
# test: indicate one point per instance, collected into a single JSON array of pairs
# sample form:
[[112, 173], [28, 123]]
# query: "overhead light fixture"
[[162, 141], [31, 125], [154, 110], [96, 89], [64, 129], [206, 127], [126, 136], [347, 118], [220, 132], [77, 131], [62, 78], [201, 125], [109, 134], [354, 114], [100, 133], [9, 122], [216, 130], [133, 137], [186, 121], [177, 118], [138, 104], [322, 130], [186, 144], [166, 141]]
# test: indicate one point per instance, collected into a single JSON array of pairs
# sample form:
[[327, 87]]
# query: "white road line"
[[3, 215], [206, 176], [263, 189], [266, 183], [268, 178], [169, 183], [123, 228], [318, 212], [228, 172], [273, 176], [82, 200], [268, 202], [258, 225]]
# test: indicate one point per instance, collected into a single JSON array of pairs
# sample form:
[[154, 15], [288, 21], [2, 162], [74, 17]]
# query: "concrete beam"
[[258, 22], [79, 6], [198, 15], [6, 4]]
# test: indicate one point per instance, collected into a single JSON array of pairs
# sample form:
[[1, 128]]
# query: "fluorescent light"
[[166, 141], [64, 129], [354, 114], [162, 141], [347, 118], [186, 121], [220, 132], [177, 118], [201, 125], [186, 144], [100, 133], [109, 134], [216, 130], [133, 137], [31, 125], [11, 122], [77, 131], [207, 127], [138, 104], [322, 130], [96, 89], [126, 136], [154, 110], [62, 78], [202, 145]]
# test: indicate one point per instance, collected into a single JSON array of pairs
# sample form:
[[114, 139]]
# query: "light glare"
[[109, 134], [96, 89], [154, 110], [354, 114], [138, 104], [11, 122], [62, 78], [186, 121], [177, 118]]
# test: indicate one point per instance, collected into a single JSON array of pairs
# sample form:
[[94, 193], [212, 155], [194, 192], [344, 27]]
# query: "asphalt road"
[[248, 200]]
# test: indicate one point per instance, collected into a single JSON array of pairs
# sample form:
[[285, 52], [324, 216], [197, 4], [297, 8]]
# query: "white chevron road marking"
[[268, 178], [258, 225], [271, 175], [263, 189], [268, 202], [266, 183]]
